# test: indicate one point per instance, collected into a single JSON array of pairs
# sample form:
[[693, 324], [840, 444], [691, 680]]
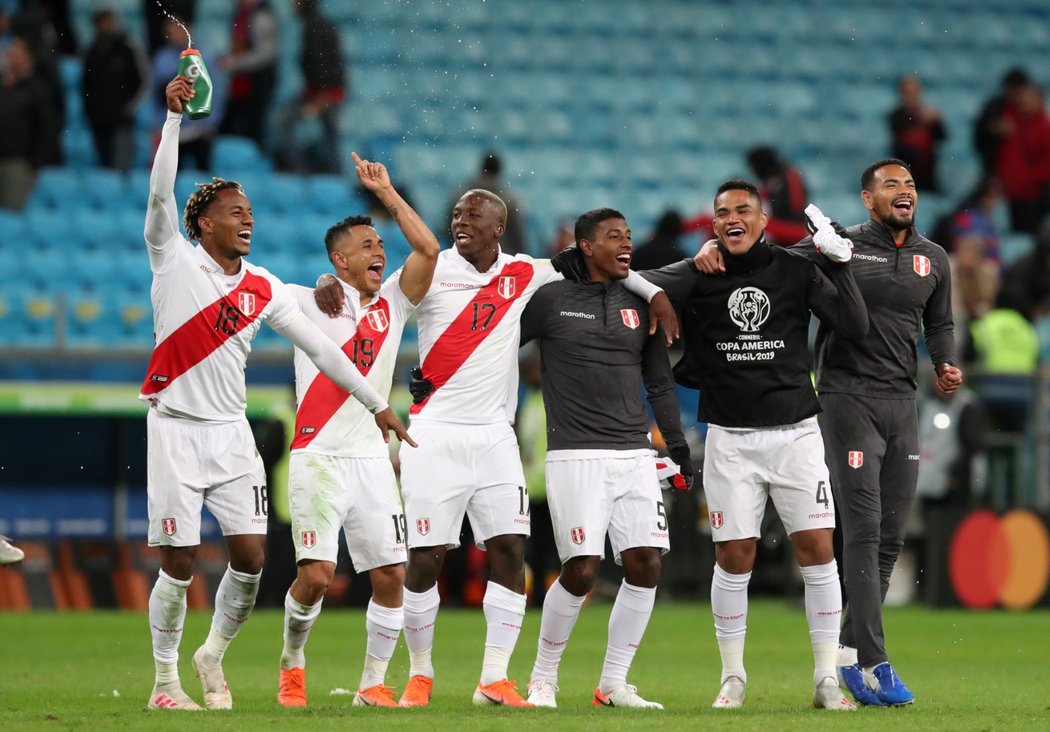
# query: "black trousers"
[[872, 450]]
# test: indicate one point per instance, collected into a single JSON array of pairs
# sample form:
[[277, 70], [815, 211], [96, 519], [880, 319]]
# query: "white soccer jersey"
[[203, 323], [328, 421], [469, 333]]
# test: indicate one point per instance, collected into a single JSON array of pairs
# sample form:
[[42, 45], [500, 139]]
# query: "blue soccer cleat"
[[889, 688], [852, 677]]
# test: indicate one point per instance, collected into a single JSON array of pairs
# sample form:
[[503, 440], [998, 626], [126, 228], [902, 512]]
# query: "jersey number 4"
[[822, 494]]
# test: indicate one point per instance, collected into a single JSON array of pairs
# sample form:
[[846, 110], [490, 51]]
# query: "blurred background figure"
[[990, 126], [1023, 166], [489, 178], [252, 66], [9, 553], [29, 124], [113, 83], [196, 136], [917, 131], [663, 246], [156, 16], [564, 235], [308, 126]]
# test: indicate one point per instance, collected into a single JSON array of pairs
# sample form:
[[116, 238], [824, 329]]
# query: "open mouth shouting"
[[244, 236], [624, 260], [904, 205], [375, 270], [735, 235]]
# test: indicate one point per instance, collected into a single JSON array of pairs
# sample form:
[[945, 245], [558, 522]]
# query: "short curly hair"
[[199, 201]]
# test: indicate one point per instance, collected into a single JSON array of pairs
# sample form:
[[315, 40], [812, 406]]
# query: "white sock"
[[847, 656], [421, 609], [823, 612], [627, 622], [729, 609], [167, 611], [383, 625], [233, 604], [298, 620], [561, 609], [504, 613]]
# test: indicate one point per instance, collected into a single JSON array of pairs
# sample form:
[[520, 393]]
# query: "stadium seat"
[[233, 156]]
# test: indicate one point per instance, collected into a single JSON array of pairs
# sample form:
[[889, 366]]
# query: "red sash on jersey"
[[324, 397], [460, 339], [204, 333]]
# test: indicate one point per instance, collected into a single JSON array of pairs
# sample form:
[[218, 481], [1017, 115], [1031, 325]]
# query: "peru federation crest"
[[377, 321], [855, 459], [630, 318], [246, 302], [168, 526], [577, 535], [506, 287], [716, 519], [423, 526], [309, 539], [920, 264]]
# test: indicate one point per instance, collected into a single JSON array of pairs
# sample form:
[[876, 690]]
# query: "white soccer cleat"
[[172, 697], [9, 553], [625, 696], [543, 693], [731, 695], [209, 671], [828, 695]]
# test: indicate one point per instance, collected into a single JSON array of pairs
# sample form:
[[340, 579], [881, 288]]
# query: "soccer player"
[[340, 473], [468, 461], [208, 304], [746, 349], [869, 422], [601, 473]]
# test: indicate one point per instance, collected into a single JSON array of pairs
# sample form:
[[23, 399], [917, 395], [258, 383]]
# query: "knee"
[[578, 576], [423, 568], [813, 548], [249, 561], [178, 562], [736, 557], [387, 583], [315, 577], [642, 568]]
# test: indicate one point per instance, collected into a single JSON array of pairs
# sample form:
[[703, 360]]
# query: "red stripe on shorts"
[[206, 332], [479, 318], [324, 397]]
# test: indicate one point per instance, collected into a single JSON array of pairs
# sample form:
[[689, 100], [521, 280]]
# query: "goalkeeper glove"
[[677, 470], [569, 264], [419, 387], [827, 237]]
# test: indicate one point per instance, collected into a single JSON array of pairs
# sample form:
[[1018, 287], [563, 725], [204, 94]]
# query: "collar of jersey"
[[214, 266], [353, 297], [883, 236], [754, 258], [501, 260]]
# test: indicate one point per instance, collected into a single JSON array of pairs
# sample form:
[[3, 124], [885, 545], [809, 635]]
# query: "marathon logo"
[[571, 314], [871, 258]]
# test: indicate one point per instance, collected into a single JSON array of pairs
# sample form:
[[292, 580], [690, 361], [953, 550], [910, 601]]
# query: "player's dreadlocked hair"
[[199, 201]]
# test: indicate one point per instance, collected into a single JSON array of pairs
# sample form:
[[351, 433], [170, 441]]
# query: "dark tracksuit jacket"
[[869, 423]]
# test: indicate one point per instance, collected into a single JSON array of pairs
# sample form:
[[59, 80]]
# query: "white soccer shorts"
[[744, 467], [194, 464], [357, 495], [594, 492], [463, 469]]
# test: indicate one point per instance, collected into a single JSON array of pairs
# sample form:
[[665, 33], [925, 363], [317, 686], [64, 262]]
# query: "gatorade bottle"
[[191, 64]]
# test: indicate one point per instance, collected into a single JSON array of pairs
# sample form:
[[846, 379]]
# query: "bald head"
[[478, 221]]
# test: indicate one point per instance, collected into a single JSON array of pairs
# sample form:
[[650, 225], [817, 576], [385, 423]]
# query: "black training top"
[[907, 290], [596, 350], [746, 332]]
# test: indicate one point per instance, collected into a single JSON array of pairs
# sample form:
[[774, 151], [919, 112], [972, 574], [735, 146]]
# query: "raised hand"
[[373, 176], [178, 90], [825, 236]]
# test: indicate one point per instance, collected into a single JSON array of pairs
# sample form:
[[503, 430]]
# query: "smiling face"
[[891, 197], [607, 252], [226, 226], [478, 221], [739, 219], [360, 259]]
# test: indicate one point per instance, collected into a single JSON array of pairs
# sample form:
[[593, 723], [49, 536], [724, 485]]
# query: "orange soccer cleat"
[[292, 689], [417, 692], [502, 693], [379, 695]]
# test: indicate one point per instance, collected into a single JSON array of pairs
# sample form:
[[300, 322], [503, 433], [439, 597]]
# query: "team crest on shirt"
[[630, 318], [377, 321], [506, 287], [748, 308], [855, 459], [246, 302], [423, 526], [168, 526], [920, 264], [309, 539], [577, 535], [716, 519]]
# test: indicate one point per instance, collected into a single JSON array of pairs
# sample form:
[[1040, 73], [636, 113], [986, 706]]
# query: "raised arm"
[[418, 270], [162, 215]]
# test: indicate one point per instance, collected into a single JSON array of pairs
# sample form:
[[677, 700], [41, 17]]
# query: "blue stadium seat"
[[233, 156]]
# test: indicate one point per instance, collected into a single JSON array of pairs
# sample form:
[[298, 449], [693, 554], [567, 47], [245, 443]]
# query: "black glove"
[[569, 264], [419, 387], [684, 480]]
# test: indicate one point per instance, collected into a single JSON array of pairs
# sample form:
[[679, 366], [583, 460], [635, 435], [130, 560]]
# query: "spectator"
[[29, 124], [252, 65], [969, 236], [663, 246], [488, 178], [113, 82], [196, 136], [917, 130], [1023, 166], [1028, 279], [783, 192], [564, 236], [990, 126], [320, 102], [33, 24]]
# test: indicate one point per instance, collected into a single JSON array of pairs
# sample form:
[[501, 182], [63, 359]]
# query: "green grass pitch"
[[970, 671]]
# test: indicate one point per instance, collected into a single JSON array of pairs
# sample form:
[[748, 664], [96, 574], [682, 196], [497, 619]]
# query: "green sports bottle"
[[191, 64]]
